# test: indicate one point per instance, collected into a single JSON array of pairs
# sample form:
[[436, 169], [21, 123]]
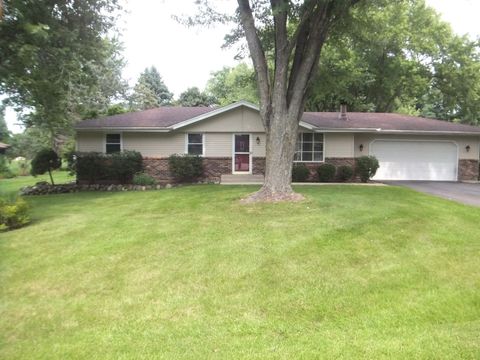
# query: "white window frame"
[[105, 141], [313, 142], [203, 142]]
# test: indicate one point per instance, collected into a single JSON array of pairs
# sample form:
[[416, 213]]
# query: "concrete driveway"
[[465, 193]]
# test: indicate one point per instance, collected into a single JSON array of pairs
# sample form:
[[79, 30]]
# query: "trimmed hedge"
[[185, 168], [367, 167], [326, 172], [300, 173], [96, 167], [344, 173]]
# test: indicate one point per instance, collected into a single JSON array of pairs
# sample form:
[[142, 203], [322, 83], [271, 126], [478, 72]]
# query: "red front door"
[[241, 153]]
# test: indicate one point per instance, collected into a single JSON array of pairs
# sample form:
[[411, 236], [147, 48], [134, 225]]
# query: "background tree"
[[150, 91], [4, 133], [285, 39], [194, 97], [232, 84], [52, 54]]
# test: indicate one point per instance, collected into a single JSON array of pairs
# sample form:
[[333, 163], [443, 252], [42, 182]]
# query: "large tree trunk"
[[280, 149], [282, 95]]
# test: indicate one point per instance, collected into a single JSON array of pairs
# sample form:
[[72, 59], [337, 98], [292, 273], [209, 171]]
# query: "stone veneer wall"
[[468, 170], [214, 168]]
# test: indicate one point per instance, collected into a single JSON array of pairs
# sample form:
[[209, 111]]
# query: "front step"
[[237, 179]]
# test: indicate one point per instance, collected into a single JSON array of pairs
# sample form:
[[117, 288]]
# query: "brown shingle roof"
[[159, 117], [383, 121], [166, 116]]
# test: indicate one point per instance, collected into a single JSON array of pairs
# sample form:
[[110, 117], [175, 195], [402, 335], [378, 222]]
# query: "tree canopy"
[[194, 97], [150, 91], [233, 84], [57, 60]]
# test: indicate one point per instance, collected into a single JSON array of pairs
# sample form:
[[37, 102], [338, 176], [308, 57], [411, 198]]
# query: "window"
[[195, 144], [113, 143], [309, 147]]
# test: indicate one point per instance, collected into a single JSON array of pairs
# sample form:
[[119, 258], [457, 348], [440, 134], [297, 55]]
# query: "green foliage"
[[150, 91], [97, 167], [398, 57], [194, 97], [46, 160], [326, 172], [143, 179], [344, 173], [232, 84], [185, 168], [13, 214], [4, 133], [367, 167], [5, 171], [57, 61], [124, 165], [300, 172], [28, 143]]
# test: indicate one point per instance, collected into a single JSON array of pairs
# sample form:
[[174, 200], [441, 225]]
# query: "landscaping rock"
[[45, 188]]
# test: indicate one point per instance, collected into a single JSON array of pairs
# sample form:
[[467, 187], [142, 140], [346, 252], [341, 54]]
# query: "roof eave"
[[406, 132], [123, 129]]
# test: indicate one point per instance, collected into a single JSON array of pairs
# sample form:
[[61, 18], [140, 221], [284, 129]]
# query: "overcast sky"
[[185, 57]]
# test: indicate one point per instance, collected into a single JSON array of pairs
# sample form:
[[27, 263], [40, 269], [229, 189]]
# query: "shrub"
[[13, 214], [143, 179], [46, 160], [185, 168], [367, 167], [118, 167], [344, 172], [300, 173], [326, 172], [5, 171], [124, 165], [89, 167]]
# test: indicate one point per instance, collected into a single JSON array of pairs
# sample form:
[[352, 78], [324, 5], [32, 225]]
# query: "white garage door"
[[415, 160]]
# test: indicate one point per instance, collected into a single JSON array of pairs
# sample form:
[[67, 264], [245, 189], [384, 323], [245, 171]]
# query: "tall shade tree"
[[150, 91], [51, 55], [194, 97], [4, 133], [285, 39], [232, 84]]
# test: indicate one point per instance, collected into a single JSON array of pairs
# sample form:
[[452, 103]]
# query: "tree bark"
[[282, 99]]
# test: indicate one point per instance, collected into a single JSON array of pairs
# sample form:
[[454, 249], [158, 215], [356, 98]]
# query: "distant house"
[[231, 140], [3, 147]]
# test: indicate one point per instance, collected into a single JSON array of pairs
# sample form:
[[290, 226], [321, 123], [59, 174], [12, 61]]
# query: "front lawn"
[[352, 273], [11, 186]]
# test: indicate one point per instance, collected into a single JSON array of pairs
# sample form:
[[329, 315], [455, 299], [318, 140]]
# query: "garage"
[[415, 160]]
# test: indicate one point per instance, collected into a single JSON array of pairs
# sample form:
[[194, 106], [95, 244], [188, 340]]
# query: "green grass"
[[351, 273], [11, 186]]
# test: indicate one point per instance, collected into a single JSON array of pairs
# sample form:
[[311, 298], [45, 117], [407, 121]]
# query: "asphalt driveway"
[[465, 193]]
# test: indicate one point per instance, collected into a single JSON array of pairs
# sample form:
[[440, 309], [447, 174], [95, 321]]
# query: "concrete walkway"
[[465, 193]]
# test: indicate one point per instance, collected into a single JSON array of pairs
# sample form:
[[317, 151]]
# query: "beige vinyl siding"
[[218, 145], [339, 145], [90, 142], [155, 144], [240, 120], [461, 141], [221, 144]]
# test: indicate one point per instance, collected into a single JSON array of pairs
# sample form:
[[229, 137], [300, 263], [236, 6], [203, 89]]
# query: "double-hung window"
[[113, 143], [309, 148], [195, 144]]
